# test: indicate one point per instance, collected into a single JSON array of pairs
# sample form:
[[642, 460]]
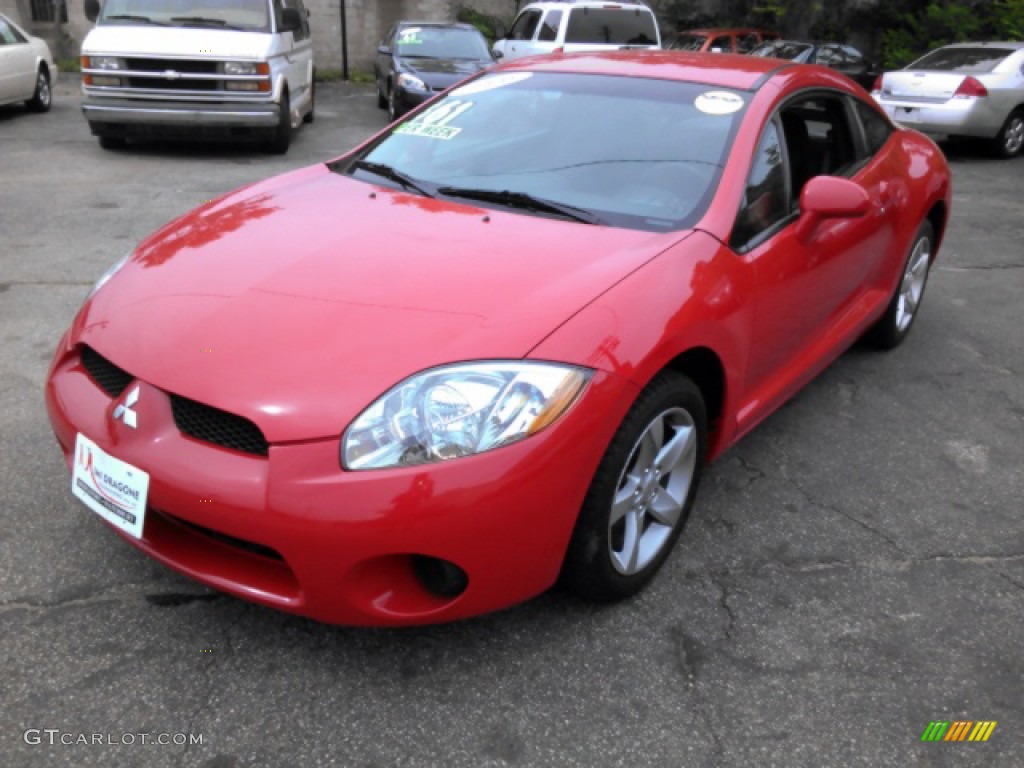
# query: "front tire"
[[283, 133], [892, 327], [310, 116], [393, 111], [1010, 140], [641, 494], [42, 99], [112, 142]]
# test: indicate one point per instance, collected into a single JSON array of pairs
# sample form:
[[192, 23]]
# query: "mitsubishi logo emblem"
[[130, 417]]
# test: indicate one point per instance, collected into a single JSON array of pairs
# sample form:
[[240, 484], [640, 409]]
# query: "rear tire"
[[382, 99], [42, 99], [1010, 140], [641, 494], [892, 328], [283, 133]]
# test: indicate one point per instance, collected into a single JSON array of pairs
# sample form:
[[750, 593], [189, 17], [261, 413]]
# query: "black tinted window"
[[746, 43], [549, 30], [876, 129], [525, 26], [764, 201], [723, 44], [962, 59], [611, 27]]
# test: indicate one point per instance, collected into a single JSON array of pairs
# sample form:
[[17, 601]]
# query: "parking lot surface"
[[853, 570]]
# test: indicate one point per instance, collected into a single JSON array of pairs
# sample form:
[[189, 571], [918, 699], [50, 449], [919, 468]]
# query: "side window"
[[303, 32], [7, 34], [746, 43], [723, 44], [525, 26], [876, 129], [765, 200], [549, 29], [819, 140]]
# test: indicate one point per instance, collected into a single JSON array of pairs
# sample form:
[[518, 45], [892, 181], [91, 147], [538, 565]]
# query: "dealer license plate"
[[113, 489]]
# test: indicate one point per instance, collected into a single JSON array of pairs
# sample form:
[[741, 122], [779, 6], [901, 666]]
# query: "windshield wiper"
[[132, 17], [204, 20], [387, 172], [523, 201]]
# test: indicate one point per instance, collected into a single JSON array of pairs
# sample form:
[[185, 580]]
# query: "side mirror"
[[291, 20], [383, 49], [829, 197], [498, 55], [92, 9]]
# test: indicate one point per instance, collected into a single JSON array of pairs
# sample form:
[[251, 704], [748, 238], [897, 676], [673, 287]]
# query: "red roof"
[[721, 69]]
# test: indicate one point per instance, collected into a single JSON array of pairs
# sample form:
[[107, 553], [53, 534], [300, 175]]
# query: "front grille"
[[108, 376], [184, 84], [212, 425], [246, 546], [177, 65]]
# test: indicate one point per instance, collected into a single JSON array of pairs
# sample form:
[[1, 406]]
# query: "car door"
[[804, 288], [520, 40], [298, 46], [17, 65]]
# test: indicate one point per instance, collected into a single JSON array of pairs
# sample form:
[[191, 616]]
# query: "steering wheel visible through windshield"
[[630, 152]]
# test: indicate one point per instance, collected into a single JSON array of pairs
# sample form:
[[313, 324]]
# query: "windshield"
[[781, 49], [441, 43], [688, 43], [625, 151], [246, 15], [965, 60], [611, 27]]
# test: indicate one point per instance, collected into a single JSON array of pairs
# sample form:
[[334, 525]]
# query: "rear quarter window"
[[876, 129], [609, 26], [965, 60]]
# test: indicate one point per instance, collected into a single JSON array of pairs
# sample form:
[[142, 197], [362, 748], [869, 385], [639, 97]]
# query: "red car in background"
[[494, 346], [723, 40]]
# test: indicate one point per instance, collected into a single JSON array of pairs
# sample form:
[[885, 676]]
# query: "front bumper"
[[138, 112], [955, 117], [293, 531]]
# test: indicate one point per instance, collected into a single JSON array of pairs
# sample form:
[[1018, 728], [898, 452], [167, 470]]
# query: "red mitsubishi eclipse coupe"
[[494, 346]]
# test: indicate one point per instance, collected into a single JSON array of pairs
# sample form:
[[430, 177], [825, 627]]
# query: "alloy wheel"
[[912, 286]]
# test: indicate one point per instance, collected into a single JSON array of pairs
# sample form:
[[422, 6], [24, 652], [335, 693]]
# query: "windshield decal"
[[434, 123], [410, 36], [718, 103]]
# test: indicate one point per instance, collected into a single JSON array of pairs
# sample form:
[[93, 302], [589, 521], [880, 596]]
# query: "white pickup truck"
[[219, 69]]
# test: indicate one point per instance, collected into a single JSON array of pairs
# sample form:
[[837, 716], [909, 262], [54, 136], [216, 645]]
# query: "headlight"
[[103, 62], [460, 410], [411, 83], [105, 277], [242, 68]]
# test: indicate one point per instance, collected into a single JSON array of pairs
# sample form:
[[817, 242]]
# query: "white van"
[[227, 69], [568, 26]]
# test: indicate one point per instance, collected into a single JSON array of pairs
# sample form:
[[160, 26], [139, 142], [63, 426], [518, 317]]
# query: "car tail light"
[[970, 88], [877, 87]]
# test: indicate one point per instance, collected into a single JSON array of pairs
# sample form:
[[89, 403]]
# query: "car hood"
[[298, 301], [442, 72]]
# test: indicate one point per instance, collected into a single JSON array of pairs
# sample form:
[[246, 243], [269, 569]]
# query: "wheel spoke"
[[678, 449], [624, 498], [650, 445], [665, 508], [629, 555]]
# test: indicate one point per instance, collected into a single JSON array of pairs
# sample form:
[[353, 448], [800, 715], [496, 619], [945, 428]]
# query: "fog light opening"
[[440, 577]]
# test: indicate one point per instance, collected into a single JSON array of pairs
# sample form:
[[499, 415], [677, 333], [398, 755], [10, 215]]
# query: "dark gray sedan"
[[415, 60]]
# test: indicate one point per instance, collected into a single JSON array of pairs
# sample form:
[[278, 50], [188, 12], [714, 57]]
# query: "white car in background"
[[967, 89], [27, 69], [568, 27]]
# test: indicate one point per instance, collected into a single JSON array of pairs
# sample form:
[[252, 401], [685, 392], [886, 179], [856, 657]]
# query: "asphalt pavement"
[[854, 568]]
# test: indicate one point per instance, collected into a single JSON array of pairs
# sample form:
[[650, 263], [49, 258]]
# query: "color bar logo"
[[958, 730]]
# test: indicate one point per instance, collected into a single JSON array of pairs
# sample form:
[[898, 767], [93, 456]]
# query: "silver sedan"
[[967, 89], [27, 69]]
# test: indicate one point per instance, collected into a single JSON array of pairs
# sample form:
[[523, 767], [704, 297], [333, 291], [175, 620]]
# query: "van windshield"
[[245, 15]]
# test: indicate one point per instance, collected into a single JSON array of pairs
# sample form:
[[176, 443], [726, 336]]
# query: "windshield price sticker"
[[718, 103], [410, 36], [434, 123]]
